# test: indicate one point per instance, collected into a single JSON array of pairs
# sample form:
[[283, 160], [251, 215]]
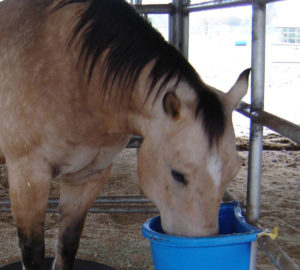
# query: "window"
[[289, 35]]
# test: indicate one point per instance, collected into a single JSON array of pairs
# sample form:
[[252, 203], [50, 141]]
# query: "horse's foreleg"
[[29, 187], [75, 201]]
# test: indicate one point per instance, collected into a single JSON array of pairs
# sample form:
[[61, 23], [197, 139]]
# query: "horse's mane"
[[132, 43]]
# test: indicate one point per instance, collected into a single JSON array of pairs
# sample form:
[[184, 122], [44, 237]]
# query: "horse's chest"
[[80, 159], [85, 161]]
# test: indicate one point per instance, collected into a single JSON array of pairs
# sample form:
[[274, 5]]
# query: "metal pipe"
[[187, 7], [276, 254], [122, 199], [105, 204], [106, 211], [256, 129], [112, 200], [100, 200], [155, 9], [217, 4], [277, 124], [185, 20], [271, 1], [123, 210], [5, 202], [253, 256], [257, 103], [174, 25], [5, 210], [179, 26], [170, 29]]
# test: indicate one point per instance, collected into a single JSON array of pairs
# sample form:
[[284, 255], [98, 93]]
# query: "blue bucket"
[[228, 251]]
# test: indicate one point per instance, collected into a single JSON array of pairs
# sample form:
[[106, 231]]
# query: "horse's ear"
[[239, 90], [171, 105]]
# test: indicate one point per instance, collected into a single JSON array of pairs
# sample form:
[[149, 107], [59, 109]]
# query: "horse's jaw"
[[211, 230], [183, 224]]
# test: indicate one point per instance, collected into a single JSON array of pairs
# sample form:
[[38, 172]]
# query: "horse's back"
[[44, 104], [21, 26], [18, 19]]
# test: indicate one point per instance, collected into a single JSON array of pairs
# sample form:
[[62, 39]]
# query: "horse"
[[77, 79]]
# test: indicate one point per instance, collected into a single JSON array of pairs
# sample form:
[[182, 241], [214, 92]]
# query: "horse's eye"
[[179, 177]]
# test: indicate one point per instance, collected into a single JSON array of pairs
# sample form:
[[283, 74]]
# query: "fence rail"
[[188, 8], [110, 204], [273, 122], [156, 9]]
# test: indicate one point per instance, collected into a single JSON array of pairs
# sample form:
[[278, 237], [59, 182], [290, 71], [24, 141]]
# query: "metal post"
[[174, 29], [179, 27], [256, 129], [257, 103], [186, 30]]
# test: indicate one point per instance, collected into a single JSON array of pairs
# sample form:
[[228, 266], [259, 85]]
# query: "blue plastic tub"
[[228, 251]]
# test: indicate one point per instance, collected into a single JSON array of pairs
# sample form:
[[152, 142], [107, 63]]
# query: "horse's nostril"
[[179, 177]]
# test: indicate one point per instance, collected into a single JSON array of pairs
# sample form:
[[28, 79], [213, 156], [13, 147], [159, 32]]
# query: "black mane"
[[132, 44]]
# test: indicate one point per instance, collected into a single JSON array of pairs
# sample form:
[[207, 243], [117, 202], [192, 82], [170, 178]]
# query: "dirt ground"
[[116, 240]]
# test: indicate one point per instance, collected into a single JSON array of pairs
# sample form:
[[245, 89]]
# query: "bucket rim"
[[209, 241]]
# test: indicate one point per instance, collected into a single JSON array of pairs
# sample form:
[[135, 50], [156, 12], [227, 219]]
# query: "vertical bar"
[[175, 29], [253, 256], [170, 38], [257, 103], [179, 27], [256, 129], [185, 29]]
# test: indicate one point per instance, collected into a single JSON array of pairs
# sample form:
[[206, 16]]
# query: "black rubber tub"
[[79, 265]]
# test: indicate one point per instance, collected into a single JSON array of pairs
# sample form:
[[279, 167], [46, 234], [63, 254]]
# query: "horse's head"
[[181, 169]]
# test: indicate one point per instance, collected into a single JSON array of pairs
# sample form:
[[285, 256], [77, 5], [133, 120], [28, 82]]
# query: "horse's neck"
[[123, 111], [126, 118], [120, 110]]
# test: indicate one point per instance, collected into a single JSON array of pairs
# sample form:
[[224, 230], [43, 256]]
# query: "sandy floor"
[[116, 240]]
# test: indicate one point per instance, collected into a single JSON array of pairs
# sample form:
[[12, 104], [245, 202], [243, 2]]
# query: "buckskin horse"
[[77, 79]]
